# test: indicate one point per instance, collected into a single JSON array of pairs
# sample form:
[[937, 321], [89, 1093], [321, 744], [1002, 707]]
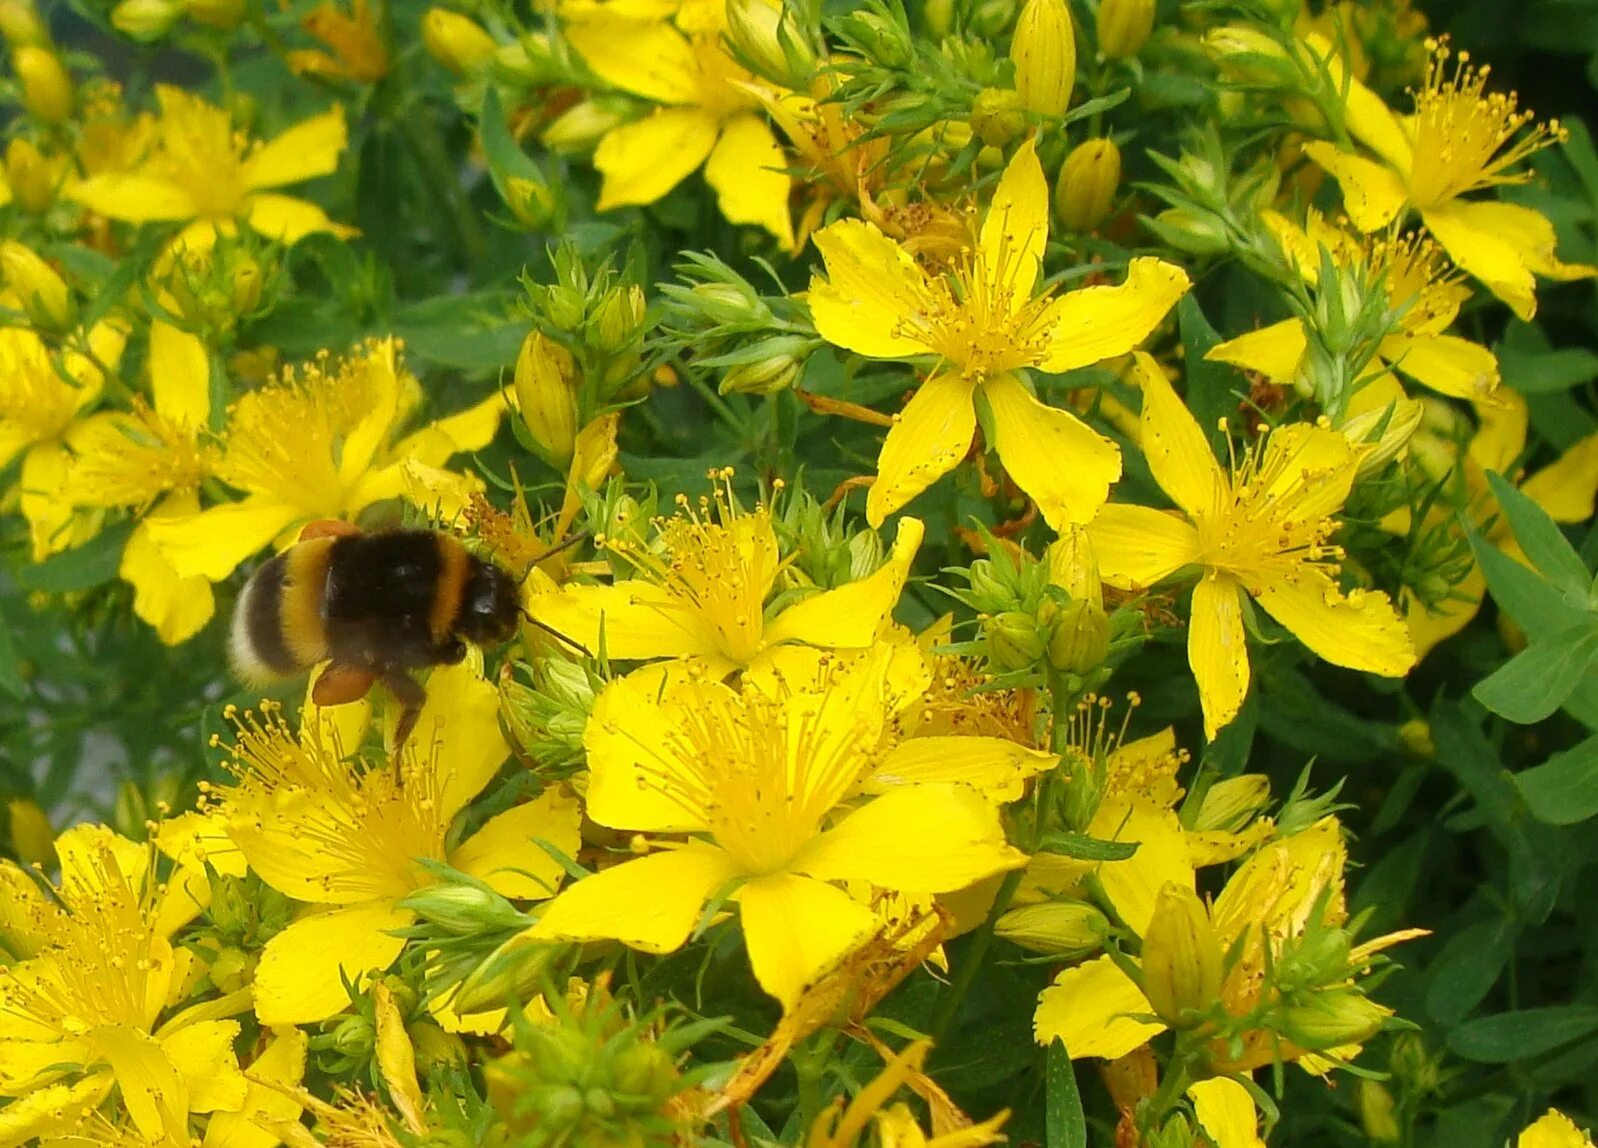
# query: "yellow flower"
[[1226, 1112], [1553, 1129], [840, 1126], [707, 114], [982, 323], [1460, 139], [756, 777], [1420, 291], [82, 1013], [317, 444], [205, 174], [357, 51], [1278, 894], [701, 594], [1262, 532], [150, 460], [37, 406], [346, 840]]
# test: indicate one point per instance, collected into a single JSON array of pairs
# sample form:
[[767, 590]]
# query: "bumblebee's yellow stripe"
[[453, 562], [304, 588]]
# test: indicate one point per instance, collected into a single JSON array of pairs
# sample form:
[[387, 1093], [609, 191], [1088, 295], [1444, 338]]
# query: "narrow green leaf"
[[1536, 681], [1510, 1036], [1085, 848], [1531, 600], [1064, 1124], [506, 159], [10, 671], [1564, 789], [81, 568], [1542, 540], [1549, 370]]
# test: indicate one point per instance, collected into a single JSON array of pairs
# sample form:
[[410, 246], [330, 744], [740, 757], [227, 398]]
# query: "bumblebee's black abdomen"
[[391, 576]]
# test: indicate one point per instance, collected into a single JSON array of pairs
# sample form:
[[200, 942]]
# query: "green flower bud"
[[1378, 1113], [1013, 640], [580, 127], [939, 18], [618, 318], [1068, 930], [232, 969], [146, 20], [997, 116], [883, 39], [1080, 640], [1194, 232], [1330, 1020], [784, 361], [458, 42], [1124, 27], [546, 397], [756, 30], [464, 909], [436, 1050], [1084, 194], [20, 24], [511, 971], [1231, 804], [1181, 957], [354, 1037], [32, 838], [527, 62]]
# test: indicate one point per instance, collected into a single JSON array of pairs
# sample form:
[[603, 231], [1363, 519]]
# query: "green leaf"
[[10, 672], [506, 159], [1531, 600], [1085, 848], [1210, 386], [1065, 1126], [82, 568], [1564, 789], [1548, 370], [1542, 540], [1461, 976], [1510, 1036], [1536, 681]]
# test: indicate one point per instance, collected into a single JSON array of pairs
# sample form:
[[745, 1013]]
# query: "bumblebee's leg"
[[410, 695], [327, 528], [341, 682]]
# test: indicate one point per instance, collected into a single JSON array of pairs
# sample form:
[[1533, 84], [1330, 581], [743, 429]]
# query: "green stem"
[[975, 956], [441, 176]]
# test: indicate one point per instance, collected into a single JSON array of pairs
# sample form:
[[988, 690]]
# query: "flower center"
[[977, 323], [200, 152], [132, 460]]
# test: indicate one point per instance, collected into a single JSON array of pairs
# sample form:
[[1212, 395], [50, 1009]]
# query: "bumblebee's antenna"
[[556, 634], [550, 553]]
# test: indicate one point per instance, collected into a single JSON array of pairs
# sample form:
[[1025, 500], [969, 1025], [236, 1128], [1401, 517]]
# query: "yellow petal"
[[1178, 452], [993, 766], [277, 1070], [928, 438], [53, 524], [1501, 435], [180, 376], [202, 1053], [1373, 193], [1311, 469], [651, 904], [1275, 351], [177, 607], [1092, 324], [1138, 546], [1088, 1008], [1567, 487], [53, 1109], [212, 543], [1361, 631], [300, 979], [195, 838], [460, 717], [1368, 119], [152, 1089], [307, 150], [872, 295], [396, 1057], [1064, 465], [1447, 364], [505, 852], [134, 198], [632, 754], [648, 58], [1528, 231], [636, 619], [797, 929], [851, 616], [747, 169], [1133, 885], [1226, 1112], [1217, 650], [643, 161], [1553, 1129], [1481, 243], [1016, 227], [289, 220], [919, 839]]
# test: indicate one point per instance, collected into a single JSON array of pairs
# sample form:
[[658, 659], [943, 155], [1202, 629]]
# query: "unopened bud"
[[545, 396], [1181, 957], [32, 839], [1044, 51], [773, 374], [1383, 433], [230, 971], [1245, 55], [1124, 27], [618, 318], [1231, 804], [246, 281], [464, 909], [511, 971], [20, 24], [354, 1037], [33, 179], [580, 127], [1085, 192], [997, 116], [1415, 735], [223, 14], [1074, 566], [1378, 1113], [1330, 1020], [42, 292], [756, 30], [880, 37], [1081, 638], [46, 86], [1013, 640], [458, 42], [435, 1049], [1191, 231], [528, 62], [146, 20], [1068, 930], [533, 202], [939, 17]]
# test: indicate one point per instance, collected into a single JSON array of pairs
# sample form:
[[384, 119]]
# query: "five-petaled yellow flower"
[[982, 323], [82, 1013], [1461, 138], [702, 593], [1261, 532], [346, 841], [757, 777], [205, 174], [708, 115]]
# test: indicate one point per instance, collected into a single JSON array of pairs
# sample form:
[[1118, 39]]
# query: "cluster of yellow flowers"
[[740, 835]]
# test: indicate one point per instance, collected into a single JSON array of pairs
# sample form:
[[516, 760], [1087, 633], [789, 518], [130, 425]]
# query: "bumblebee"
[[376, 607]]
